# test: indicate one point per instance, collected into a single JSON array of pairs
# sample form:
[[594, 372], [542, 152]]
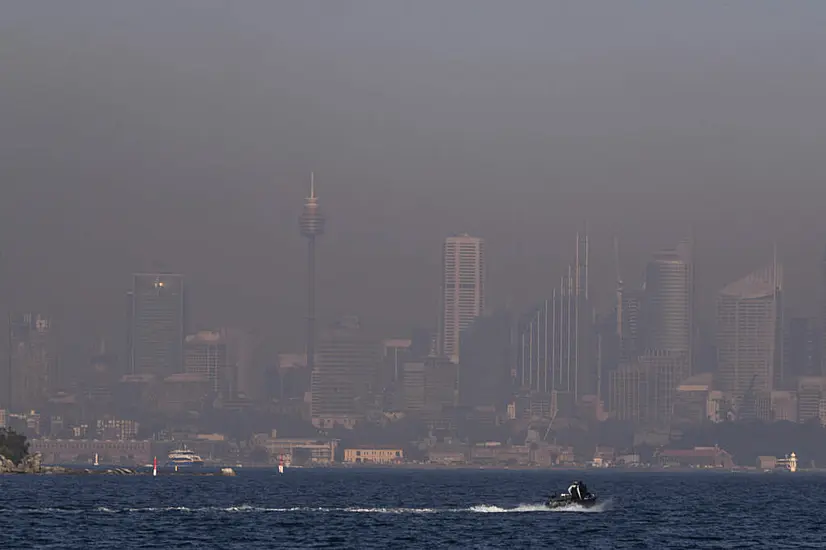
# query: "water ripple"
[[410, 509]]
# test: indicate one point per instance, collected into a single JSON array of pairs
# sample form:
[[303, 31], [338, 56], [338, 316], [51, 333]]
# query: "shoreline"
[[67, 469], [562, 469]]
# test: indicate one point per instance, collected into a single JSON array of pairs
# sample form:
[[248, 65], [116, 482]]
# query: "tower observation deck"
[[311, 221]]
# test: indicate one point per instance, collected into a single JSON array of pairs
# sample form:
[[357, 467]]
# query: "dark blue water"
[[411, 509]]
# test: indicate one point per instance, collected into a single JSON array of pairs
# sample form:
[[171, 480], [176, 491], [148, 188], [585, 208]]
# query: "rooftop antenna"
[[581, 268], [774, 267], [619, 286], [587, 258]]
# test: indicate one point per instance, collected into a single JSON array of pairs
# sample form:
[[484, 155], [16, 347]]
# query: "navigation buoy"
[[155, 467]]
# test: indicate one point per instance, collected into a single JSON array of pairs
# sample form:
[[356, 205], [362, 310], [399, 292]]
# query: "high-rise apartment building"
[[157, 324], [749, 334], [463, 290]]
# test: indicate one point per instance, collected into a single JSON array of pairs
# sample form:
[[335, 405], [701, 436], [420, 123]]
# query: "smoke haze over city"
[[185, 133], [540, 160]]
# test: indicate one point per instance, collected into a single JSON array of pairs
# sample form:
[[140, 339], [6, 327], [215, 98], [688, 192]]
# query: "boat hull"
[[566, 501]]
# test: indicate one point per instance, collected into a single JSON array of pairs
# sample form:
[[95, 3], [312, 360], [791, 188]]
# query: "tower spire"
[[312, 186]]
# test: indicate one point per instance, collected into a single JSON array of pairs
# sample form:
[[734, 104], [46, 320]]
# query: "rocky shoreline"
[[33, 464]]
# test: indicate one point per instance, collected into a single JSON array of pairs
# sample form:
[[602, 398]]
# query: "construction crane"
[[747, 401], [550, 424]]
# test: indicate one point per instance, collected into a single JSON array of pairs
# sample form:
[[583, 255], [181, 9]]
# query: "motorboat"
[[577, 495], [567, 500], [184, 458]]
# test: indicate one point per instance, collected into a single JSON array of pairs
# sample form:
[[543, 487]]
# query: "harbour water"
[[396, 508]]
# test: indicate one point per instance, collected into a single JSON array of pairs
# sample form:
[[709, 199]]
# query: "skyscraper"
[[630, 334], [823, 315], [429, 386], [485, 371], [311, 223], [346, 375], [463, 289], [668, 306], [802, 348], [749, 334], [205, 353], [34, 361], [157, 324]]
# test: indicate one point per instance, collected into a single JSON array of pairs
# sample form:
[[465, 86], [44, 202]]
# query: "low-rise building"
[[698, 457], [67, 451], [767, 462], [372, 455], [298, 451], [628, 460], [603, 457], [565, 456], [447, 455]]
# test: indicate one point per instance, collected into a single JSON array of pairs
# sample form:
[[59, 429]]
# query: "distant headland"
[[16, 459]]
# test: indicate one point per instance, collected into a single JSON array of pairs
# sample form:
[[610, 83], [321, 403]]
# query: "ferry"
[[183, 457]]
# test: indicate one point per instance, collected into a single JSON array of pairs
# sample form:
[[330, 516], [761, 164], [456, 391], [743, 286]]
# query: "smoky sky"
[[184, 132]]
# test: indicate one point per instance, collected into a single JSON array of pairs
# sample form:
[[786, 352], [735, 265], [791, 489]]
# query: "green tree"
[[13, 445]]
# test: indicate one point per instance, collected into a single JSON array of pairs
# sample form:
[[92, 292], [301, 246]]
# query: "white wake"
[[478, 509], [522, 508]]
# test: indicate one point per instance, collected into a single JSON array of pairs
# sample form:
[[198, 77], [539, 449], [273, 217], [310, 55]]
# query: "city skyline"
[[560, 363], [172, 271], [719, 142], [567, 284]]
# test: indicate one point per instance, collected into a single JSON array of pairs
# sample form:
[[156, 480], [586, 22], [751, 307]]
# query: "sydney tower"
[[311, 224]]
